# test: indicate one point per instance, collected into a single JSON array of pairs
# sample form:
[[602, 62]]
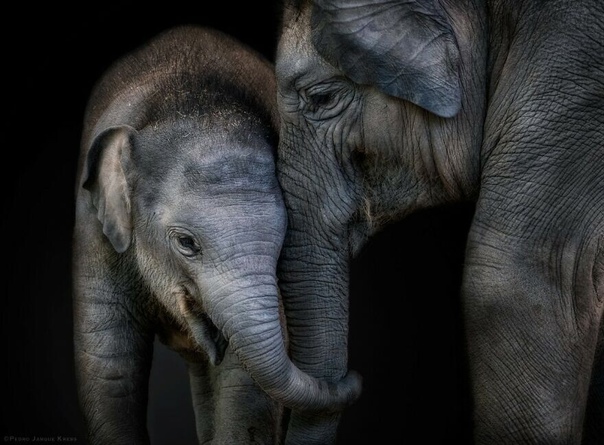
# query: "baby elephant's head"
[[198, 205]]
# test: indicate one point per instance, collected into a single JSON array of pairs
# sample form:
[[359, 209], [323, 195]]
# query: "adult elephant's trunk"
[[314, 281], [313, 271], [245, 308]]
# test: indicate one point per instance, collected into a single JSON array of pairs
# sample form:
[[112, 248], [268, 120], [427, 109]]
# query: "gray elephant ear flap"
[[406, 49], [106, 180]]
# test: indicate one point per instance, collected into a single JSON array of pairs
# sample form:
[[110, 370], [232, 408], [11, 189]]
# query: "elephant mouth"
[[206, 335]]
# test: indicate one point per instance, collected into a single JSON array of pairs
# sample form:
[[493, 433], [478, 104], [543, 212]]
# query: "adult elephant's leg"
[[113, 351], [532, 320]]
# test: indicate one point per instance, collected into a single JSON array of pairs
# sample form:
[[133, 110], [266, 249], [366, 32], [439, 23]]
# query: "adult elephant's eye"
[[316, 102], [186, 244], [325, 100]]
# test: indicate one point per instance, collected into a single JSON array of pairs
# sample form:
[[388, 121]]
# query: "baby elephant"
[[179, 224]]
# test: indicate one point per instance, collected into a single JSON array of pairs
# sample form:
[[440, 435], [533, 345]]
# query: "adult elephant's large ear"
[[106, 180], [406, 49]]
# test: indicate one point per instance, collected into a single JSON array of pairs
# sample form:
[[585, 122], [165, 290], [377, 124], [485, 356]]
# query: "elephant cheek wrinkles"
[[320, 198]]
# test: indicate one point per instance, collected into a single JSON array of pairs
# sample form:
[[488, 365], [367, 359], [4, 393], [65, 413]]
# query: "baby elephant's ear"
[[106, 180], [406, 49]]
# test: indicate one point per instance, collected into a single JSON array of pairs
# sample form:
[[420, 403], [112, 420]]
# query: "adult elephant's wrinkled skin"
[[388, 107], [179, 224]]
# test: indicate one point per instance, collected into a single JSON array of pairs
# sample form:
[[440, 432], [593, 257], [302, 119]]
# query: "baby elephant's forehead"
[[186, 156], [211, 178], [229, 168]]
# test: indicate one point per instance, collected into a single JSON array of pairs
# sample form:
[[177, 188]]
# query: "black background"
[[406, 331]]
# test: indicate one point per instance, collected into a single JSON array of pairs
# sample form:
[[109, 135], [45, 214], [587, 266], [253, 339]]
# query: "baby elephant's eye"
[[187, 245]]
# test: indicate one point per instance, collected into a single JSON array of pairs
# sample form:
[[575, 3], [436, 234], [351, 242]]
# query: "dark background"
[[406, 331]]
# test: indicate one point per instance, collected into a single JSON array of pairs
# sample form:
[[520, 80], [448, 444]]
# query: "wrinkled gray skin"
[[179, 224], [388, 107]]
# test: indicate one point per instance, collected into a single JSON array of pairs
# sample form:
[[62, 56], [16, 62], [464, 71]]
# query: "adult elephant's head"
[[374, 125]]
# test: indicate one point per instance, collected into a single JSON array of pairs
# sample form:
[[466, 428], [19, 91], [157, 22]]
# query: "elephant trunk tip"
[[348, 390], [336, 395]]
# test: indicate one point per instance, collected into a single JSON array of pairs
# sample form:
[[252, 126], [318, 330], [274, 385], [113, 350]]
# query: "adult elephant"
[[389, 107]]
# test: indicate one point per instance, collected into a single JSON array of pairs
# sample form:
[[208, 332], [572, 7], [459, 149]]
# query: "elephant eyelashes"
[[325, 100], [186, 244]]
